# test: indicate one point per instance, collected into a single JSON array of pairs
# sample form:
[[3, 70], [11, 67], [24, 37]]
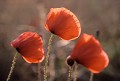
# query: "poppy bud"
[[97, 34], [70, 61]]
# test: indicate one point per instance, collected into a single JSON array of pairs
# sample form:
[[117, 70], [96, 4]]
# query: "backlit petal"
[[90, 54], [30, 46], [63, 23]]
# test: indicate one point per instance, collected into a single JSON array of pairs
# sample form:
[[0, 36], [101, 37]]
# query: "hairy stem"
[[12, 67], [70, 73], [47, 57], [91, 76], [75, 72], [39, 73]]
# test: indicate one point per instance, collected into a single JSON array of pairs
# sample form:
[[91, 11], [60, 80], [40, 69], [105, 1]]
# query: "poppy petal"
[[30, 46], [90, 54], [63, 23], [33, 60]]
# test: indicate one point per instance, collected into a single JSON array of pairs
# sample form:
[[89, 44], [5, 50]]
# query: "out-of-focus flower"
[[89, 53], [30, 46], [63, 23]]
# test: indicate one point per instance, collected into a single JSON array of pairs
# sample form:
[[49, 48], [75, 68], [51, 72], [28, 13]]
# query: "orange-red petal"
[[90, 54], [63, 23], [30, 46]]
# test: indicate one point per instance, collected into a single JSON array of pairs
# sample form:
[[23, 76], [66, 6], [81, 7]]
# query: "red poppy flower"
[[30, 46], [90, 54], [63, 23]]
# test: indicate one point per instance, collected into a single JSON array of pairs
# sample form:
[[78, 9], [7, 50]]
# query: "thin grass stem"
[[47, 57], [12, 67]]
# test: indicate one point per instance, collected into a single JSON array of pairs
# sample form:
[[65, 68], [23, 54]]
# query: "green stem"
[[75, 72], [47, 57], [70, 73], [12, 67], [91, 76]]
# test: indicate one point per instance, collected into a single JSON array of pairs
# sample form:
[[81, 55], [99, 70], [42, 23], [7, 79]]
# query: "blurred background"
[[17, 16]]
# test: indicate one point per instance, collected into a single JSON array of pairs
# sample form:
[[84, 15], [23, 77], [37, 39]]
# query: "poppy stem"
[[91, 76], [47, 57], [70, 73], [75, 72], [12, 67], [39, 73]]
